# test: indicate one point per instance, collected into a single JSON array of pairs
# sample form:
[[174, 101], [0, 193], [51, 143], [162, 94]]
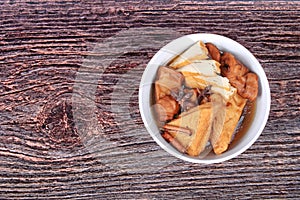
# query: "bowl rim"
[[206, 37]]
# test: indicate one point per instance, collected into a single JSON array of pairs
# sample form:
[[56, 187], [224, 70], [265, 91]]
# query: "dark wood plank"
[[69, 130]]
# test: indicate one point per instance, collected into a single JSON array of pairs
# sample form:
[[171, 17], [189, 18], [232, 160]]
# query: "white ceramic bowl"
[[177, 46]]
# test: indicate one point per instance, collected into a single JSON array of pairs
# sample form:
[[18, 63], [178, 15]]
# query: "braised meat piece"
[[166, 108], [167, 80], [213, 51], [251, 87], [239, 76], [187, 98], [231, 67]]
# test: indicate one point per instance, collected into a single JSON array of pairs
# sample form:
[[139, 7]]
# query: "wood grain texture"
[[50, 151]]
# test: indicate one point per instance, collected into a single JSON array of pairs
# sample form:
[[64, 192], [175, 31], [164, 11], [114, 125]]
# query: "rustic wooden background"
[[72, 131]]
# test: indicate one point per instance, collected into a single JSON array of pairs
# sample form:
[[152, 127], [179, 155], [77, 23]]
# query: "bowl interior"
[[164, 55]]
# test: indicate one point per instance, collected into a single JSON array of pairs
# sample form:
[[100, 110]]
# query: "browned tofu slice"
[[225, 123], [199, 121]]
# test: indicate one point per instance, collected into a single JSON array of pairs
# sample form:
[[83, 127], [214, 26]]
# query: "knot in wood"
[[56, 120]]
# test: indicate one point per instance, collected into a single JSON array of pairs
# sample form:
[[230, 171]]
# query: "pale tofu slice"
[[207, 72], [199, 121], [196, 52], [202, 67]]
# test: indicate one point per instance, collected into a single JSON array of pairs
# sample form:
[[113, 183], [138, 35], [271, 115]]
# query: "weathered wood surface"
[[69, 120]]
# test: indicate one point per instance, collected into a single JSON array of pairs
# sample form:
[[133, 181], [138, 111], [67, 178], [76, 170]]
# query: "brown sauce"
[[248, 116]]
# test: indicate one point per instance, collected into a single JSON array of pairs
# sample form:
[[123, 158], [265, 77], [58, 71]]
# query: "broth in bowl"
[[199, 97]]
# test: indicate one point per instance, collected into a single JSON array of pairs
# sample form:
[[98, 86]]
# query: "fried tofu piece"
[[219, 112], [173, 141], [199, 121], [228, 121]]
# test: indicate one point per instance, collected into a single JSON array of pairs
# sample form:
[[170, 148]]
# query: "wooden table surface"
[[70, 126]]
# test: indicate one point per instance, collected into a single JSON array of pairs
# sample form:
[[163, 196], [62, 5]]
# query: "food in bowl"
[[200, 98]]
